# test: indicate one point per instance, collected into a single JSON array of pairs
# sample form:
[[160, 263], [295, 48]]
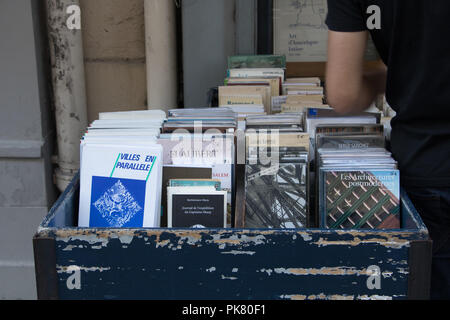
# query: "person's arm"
[[349, 89]]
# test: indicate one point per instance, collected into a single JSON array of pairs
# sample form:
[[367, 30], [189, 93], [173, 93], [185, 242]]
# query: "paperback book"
[[196, 207], [277, 181], [360, 199], [215, 151], [358, 183], [277, 195], [257, 61], [120, 186]]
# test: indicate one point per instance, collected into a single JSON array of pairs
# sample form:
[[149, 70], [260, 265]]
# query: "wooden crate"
[[228, 264]]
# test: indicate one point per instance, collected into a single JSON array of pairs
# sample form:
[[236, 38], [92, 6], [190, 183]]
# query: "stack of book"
[[358, 181], [257, 85], [303, 86], [251, 83], [200, 120], [315, 117], [121, 171], [133, 125], [192, 156], [280, 122], [300, 94], [198, 144]]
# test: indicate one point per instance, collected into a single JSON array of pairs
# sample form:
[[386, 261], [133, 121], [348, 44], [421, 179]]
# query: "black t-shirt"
[[414, 44]]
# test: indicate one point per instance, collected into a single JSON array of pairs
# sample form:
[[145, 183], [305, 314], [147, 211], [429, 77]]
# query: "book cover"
[[349, 142], [256, 72], [196, 207], [236, 91], [195, 183], [277, 196], [240, 99], [314, 81], [257, 61], [277, 103], [120, 186], [349, 129], [302, 107], [274, 82], [364, 199], [289, 89], [295, 99], [216, 152], [174, 172]]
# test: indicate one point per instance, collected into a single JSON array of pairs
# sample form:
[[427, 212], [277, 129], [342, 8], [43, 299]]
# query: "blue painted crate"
[[231, 264]]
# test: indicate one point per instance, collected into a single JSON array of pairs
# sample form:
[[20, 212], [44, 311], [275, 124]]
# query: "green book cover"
[[257, 61], [195, 183]]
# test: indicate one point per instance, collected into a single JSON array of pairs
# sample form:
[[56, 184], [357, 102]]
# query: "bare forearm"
[[356, 98], [373, 84], [349, 88]]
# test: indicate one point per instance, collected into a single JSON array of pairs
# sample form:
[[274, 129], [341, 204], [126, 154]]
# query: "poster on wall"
[[300, 31]]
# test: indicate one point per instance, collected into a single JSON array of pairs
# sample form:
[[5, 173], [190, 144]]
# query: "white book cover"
[[123, 132], [256, 72], [246, 108], [140, 139], [127, 124], [131, 115], [120, 186], [114, 141], [306, 92]]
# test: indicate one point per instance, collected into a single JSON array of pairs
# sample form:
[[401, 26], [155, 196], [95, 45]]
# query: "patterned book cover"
[[360, 199], [117, 202], [276, 197]]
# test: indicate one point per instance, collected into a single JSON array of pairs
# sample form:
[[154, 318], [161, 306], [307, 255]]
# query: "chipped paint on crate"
[[70, 269], [257, 264], [388, 241], [228, 278], [305, 236], [235, 252], [334, 297], [268, 271], [245, 245], [387, 274], [343, 271], [374, 297], [212, 269], [239, 239]]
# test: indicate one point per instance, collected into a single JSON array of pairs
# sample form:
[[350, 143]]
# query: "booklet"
[[120, 186], [196, 207]]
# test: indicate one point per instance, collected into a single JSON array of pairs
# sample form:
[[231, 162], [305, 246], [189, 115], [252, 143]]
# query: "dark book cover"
[[197, 210], [170, 173]]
